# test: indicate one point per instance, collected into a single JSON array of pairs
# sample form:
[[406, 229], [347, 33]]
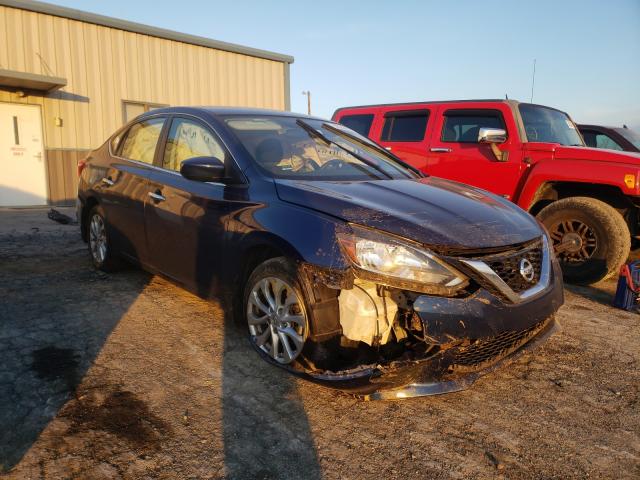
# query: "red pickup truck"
[[587, 198]]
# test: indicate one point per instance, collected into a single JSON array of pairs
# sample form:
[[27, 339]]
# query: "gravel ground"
[[128, 376]]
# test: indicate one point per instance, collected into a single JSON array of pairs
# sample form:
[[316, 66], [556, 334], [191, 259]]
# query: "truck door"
[[405, 133], [454, 151]]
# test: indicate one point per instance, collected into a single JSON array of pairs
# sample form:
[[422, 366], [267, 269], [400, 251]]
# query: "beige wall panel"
[[104, 66], [4, 40], [78, 56], [67, 135], [95, 86], [15, 38]]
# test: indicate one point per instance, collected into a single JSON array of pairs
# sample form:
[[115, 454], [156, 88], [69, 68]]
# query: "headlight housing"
[[391, 261]]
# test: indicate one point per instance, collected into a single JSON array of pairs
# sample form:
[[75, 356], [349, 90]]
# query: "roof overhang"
[[30, 81], [82, 16]]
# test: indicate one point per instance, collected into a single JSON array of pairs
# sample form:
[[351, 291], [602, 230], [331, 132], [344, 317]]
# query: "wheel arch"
[[551, 191], [87, 205]]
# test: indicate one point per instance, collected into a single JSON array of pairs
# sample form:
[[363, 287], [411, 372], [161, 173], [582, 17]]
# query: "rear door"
[[185, 219], [124, 185], [454, 151], [405, 132]]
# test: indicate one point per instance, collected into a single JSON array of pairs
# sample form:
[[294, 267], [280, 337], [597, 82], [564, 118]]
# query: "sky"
[[357, 52]]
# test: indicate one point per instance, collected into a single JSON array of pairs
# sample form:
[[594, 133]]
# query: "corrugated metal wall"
[[104, 66]]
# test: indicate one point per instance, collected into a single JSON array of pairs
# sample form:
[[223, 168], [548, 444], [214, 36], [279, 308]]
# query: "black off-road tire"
[[610, 230], [111, 261]]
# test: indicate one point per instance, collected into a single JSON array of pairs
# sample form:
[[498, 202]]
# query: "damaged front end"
[[395, 336]]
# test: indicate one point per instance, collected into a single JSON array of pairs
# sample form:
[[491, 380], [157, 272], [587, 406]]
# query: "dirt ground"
[[128, 376]]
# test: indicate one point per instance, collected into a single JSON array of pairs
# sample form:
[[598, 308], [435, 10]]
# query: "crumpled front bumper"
[[459, 322]]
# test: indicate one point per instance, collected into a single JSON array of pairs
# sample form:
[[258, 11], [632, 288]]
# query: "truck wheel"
[[590, 238]]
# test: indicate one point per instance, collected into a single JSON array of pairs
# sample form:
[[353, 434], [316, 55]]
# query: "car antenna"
[[624, 126], [506, 97]]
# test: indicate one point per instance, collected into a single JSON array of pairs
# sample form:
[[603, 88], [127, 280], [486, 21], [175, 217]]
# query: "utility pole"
[[533, 79], [308, 94]]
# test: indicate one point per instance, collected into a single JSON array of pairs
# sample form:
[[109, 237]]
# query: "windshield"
[[630, 135], [301, 148], [542, 124]]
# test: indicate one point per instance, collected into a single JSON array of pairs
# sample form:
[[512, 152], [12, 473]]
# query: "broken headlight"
[[390, 261]]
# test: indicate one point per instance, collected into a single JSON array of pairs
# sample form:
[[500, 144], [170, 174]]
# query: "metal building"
[[68, 79]]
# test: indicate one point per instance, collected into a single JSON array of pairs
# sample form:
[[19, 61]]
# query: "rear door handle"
[[440, 150], [107, 181], [157, 196]]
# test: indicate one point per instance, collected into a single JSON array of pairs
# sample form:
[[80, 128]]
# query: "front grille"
[[484, 351], [508, 267]]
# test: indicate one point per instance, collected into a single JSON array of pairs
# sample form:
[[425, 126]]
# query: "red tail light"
[[81, 164]]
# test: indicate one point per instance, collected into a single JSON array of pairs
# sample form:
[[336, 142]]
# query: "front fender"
[[576, 171]]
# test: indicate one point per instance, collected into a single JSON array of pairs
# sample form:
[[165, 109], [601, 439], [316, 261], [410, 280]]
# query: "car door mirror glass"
[[203, 169]]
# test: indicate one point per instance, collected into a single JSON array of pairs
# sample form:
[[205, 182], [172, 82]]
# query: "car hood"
[[562, 152], [432, 211]]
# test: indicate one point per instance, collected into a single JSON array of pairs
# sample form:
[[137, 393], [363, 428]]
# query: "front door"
[[23, 179], [454, 151], [185, 219]]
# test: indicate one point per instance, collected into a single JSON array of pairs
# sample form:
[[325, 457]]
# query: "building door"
[[23, 179]]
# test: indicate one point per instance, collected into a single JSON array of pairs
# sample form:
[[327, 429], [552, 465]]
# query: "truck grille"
[[508, 267], [484, 351]]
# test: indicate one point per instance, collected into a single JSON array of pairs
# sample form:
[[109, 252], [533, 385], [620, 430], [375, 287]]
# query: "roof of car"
[[585, 125], [398, 104], [224, 111]]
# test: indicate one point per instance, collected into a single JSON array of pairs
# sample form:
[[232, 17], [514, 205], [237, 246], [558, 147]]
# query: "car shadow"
[[266, 432], [51, 332]]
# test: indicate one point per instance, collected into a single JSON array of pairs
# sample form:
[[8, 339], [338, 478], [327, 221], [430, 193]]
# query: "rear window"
[[358, 123], [405, 126], [463, 126], [141, 140]]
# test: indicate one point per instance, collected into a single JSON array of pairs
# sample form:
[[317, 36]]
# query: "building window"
[[131, 110]]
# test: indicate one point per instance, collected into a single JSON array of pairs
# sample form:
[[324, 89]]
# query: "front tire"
[[591, 238], [275, 310], [102, 254]]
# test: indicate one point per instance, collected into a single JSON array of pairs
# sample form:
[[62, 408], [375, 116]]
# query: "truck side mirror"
[[494, 136]]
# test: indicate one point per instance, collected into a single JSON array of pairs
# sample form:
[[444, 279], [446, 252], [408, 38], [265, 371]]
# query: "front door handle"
[[157, 196], [107, 181], [440, 150], [387, 148]]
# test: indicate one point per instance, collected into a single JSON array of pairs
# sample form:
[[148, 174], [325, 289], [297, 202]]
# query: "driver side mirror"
[[203, 169], [494, 136]]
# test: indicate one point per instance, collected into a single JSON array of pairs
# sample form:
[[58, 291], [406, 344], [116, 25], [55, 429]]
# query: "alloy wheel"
[[98, 239], [277, 319], [574, 241]]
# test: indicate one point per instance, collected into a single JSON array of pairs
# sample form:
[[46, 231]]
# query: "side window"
[[406, 126], [605, 141], [188, 139], [358, 123], [141, 140], [463, 126]]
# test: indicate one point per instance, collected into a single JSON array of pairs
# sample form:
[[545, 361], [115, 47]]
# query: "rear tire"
[[594, 236], [102, 254]]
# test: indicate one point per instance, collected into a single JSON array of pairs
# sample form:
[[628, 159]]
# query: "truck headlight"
[[388, 260]]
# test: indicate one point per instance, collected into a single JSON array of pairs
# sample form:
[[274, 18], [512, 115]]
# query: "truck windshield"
[[309, 149], [543, 124], [630, 135]]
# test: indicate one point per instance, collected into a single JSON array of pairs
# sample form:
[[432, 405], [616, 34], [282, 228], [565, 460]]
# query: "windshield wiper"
[[374, 146], [323, 138]]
